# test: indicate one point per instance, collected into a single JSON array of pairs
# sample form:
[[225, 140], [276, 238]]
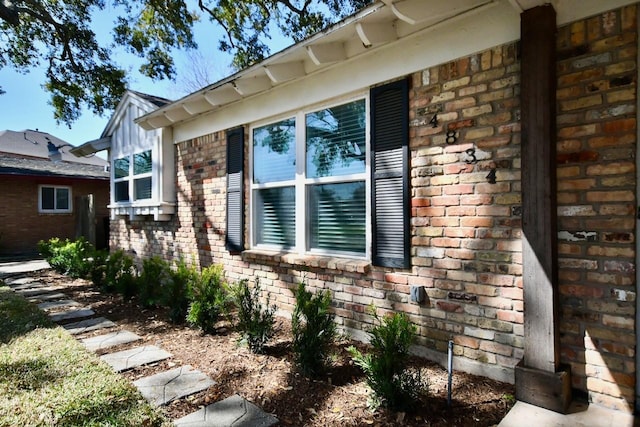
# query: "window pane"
[[274, 152], [336, 140], [276, 216], [122, 191], [142, 163], [62, 198], [121, 167], [48, 198], [142, 188], [337, 217]]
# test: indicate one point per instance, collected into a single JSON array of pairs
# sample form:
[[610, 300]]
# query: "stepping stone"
[[71, 314], [21, 281], [233, 411], [31, 292], [53, 305], [29, 285], [162, 388], [109, 340], [128, 359], [88, 325], [47, 297]]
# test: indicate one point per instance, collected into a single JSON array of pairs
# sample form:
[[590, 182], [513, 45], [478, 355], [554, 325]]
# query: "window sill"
[[161, 211], [315, 261]]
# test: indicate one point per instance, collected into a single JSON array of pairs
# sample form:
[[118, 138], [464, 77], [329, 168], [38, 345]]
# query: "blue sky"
[[25, 105]]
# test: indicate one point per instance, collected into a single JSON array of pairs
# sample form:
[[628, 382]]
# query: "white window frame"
[[131, 178], [55, 210], [301, 182]]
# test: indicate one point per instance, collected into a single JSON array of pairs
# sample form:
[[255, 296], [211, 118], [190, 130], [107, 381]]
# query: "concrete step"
[[234, 411], [88, 325], [138, 356], [162, 388], [71, 314], [109, 340]]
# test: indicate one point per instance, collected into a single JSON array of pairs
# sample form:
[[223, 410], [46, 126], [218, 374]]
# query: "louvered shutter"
[[390, 175], [235, 194]]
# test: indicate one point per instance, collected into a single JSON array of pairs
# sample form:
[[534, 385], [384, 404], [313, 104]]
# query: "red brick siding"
[[466, 232], [22, 226], [597, 80]]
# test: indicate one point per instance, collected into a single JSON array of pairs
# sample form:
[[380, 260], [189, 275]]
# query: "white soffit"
[[374, 27], [250, 85], [376, 33], [326, 53], [222, 95]]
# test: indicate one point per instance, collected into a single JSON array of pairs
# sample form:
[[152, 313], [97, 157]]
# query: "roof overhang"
[[373, 28], [92, 147]]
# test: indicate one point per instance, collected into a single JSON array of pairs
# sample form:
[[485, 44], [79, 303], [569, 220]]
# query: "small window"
[[132, 177], [54, 199]]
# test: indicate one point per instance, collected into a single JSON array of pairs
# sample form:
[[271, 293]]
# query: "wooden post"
[[539, 379]]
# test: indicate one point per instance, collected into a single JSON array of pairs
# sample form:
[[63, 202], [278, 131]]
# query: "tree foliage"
[[80, 70]]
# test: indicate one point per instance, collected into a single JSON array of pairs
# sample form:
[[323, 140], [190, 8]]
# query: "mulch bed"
[[270, 380]]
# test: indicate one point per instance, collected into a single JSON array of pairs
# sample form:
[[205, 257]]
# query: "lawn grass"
[[48, 379]]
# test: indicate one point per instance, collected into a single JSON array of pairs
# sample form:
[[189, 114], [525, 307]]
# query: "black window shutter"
[[235, 194], [390, 175]]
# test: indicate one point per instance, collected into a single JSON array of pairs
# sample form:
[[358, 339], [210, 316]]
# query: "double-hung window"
[[132, 177], [309, 181], [54, 199]]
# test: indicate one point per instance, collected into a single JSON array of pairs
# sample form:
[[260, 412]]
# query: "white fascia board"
[[487, 27]]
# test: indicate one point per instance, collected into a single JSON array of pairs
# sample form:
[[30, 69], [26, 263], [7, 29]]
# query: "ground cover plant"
[[47, 378]]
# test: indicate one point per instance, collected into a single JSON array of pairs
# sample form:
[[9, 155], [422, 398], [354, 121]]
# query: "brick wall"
[[597, 79], [466, 230], [22, 226]]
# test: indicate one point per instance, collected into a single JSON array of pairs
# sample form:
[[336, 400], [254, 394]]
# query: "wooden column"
[[539, 379]]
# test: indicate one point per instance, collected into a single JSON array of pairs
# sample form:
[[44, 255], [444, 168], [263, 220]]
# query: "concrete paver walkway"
[[165, 387], [109, 340], [56, 305], [88, 325], [71, 314], [159, 389], [138, 356], [47, 296], [233, 411]]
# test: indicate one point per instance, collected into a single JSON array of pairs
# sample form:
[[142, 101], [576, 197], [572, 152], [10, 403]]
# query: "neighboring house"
[[45, 199], [470, 163]]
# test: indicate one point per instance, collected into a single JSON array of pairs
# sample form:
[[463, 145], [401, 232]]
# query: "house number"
[[434, 121], [452, 137], [471, 152]]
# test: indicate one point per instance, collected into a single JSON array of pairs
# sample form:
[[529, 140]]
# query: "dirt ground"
[[271, 381]]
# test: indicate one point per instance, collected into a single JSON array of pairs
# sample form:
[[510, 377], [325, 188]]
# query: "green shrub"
[[175, 292], [385, 370], [99, 267], [68, 257], [120, 275], [313, 330], [255, 322], [154, 278], [208, 298]]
